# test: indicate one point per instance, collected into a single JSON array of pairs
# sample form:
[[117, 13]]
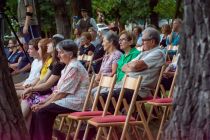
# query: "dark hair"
[[166, 28], [68, 45], [14, 41], [139, 29], [113, 37], [34, 42], [87, 35]]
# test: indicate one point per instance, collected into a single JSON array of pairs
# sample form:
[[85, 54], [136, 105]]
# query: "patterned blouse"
[[108, 61], [74, 81]]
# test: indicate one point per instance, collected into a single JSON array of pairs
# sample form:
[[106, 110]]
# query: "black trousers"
[[43, 120], [116, 93]]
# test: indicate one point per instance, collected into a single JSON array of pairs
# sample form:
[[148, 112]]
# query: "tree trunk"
[[12, 125], [154, 17], [61, 18], [191, 108]]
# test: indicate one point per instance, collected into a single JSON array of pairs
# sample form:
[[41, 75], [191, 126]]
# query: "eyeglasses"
[[123, 39]]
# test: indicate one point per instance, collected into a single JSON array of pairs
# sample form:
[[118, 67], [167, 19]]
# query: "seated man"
[[147, 64]]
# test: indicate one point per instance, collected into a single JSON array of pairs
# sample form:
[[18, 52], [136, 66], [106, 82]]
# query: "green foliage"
[[127, 10], [46, 15], [166, 8], [133, 10]]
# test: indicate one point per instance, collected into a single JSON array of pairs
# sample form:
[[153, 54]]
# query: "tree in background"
[[61, 18], [191, 108], [133, 11], [12, 125]]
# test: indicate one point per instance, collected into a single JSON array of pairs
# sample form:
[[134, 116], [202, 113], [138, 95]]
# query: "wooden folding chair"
[[63, 116], [163, 102], [116, 119], [87, 58], [105, 82]]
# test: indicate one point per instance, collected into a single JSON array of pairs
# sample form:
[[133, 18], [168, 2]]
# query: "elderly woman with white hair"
[[68, 97]]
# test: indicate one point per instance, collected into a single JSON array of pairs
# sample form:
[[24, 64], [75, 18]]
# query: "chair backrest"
[[159, 82], [80, 57], [105, 82], [87, 58], [132, 84], [88, 93], [173, 84]]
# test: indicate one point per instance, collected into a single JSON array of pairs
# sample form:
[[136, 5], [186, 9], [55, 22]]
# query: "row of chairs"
[[104, 118]]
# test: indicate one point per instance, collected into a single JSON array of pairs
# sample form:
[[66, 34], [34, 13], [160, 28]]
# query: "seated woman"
[[68, 97], [165, 30], [86, 47], [46, 61], [109, 62], [98, 54], [125, 41], [40, 92]]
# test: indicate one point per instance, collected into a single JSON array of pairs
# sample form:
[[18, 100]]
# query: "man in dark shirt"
[[86, 22]]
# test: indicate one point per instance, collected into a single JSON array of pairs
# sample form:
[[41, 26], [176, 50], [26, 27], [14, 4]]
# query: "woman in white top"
[[69, 95]]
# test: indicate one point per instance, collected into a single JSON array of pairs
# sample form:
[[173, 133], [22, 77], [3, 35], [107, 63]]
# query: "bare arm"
[[114, 69], [46, 77], [26, 68], [134, 66], [48, 84], [28, 19]]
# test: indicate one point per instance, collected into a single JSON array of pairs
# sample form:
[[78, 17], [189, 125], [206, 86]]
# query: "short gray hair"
[[112, 37], [68, 45], [152, 33]]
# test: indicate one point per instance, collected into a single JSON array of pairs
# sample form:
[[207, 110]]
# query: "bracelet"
[[30, 14]]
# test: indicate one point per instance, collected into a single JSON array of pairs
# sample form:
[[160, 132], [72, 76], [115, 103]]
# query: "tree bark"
[[12, 125], [191, 108], [61, 18], [154, 17]]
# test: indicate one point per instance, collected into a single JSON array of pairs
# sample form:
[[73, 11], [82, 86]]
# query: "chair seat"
[[150, 98], [161, 100], [111, 119], [88, 113]]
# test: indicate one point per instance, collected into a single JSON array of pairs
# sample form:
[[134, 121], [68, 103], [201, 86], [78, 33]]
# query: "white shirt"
[[36, 67]]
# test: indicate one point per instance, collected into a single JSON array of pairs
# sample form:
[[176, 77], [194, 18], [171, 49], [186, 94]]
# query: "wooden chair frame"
[[165, 105], [129, 83], [105, 81]]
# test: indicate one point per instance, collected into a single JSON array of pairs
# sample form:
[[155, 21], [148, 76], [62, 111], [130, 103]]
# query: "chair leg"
[[86, 132], [77, 129], [146, 127], [114, 134], [162, 122], [127, 136], [136, 133], [61, 124], [69, 129], [98, 133]]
